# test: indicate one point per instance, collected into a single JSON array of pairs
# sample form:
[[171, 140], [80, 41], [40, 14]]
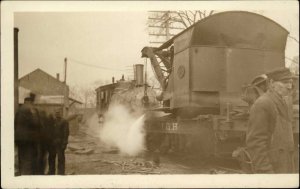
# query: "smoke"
[[93, 125], [123, 130]]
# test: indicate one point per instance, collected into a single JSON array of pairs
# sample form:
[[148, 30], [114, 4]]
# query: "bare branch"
[[182, 21], [187, 18], [200, 14], [194, 15], [293, 38], [292, 60], [191, 12], [211, 12]]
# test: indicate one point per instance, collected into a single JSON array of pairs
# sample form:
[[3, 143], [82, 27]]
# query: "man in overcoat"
[[59, 143], [46, 130], [269, 139], [27, 136]]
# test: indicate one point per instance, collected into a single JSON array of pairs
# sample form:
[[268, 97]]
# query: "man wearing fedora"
[[269, 138], [27, 136]]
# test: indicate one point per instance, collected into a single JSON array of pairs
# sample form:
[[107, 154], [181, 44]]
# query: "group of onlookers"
[[270, 144], [40, 136]]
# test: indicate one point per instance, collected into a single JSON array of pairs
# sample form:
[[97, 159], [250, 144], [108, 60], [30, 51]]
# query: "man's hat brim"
[[285, 78], [280, 74], [259, 79]]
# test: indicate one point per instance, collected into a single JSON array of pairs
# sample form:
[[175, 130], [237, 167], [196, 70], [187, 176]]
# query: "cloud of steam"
[[123, 130], [93, 125]]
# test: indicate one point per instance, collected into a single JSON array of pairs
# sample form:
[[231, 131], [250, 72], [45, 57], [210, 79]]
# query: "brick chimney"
[[57, 76]]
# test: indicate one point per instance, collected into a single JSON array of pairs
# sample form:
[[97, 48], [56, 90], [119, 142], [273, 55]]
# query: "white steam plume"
[[93, 125], [123, 130]]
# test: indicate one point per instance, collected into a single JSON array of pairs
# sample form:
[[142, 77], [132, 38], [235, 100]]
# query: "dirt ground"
[[86, 154]]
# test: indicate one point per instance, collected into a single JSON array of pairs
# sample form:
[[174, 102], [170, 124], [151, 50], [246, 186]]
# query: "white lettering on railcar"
[[169, 126]]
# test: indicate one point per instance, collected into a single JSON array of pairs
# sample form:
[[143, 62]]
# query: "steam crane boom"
[[150, 52]]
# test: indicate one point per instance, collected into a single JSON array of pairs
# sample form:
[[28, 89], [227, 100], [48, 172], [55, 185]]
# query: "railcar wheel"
[[153, 141], [164, 144]]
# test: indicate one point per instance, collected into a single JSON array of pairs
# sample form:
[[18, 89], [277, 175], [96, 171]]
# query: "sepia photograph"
[[149, 94]]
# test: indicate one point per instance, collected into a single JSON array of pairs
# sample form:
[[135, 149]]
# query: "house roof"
[[38, 69], [74, 100], [61, 82], [106, 86]]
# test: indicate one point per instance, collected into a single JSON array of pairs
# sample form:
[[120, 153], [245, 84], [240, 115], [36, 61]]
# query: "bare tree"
[[165, 24], [75, 92], [188, 18], [85, 94], [294, 38], [294, 66]]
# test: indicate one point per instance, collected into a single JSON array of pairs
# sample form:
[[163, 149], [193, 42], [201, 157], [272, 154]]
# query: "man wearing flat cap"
[[269, 138], [27, 136]]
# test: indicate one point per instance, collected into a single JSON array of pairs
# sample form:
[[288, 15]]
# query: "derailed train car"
[[205, 69]]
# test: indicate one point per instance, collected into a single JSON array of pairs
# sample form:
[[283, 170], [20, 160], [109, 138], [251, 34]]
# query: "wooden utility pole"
[[66, 92], [145, 84], [169, 23], [162, 21], [16, 95], [16, 72], [85, 100], [65, 80]]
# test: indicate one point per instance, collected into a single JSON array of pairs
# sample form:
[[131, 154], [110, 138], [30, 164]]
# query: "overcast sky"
[[109, 39]]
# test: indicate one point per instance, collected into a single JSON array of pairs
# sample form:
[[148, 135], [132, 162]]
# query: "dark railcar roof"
[[237, 29]]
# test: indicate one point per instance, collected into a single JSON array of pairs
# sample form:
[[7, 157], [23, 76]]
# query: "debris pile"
[[131, 166], [78, 147], [144, 167], [224, 170]]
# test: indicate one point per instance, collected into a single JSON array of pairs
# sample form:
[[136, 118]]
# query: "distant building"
[[103, 96], [48, 89], [38, 81]]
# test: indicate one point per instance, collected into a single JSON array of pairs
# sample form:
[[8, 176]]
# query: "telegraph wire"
[[94, 66]]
